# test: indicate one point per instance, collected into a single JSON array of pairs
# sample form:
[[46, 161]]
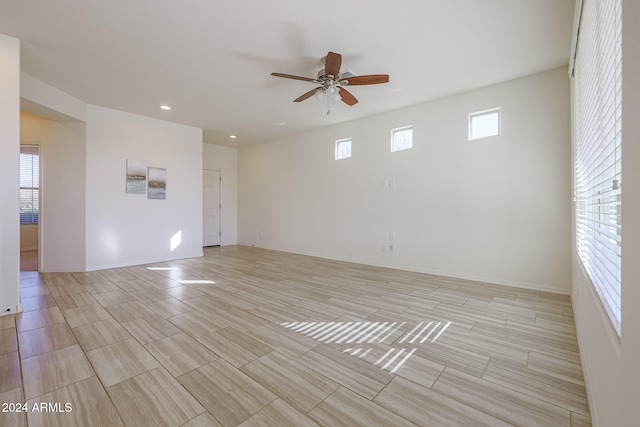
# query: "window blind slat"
[[598, 150], [29, 184]]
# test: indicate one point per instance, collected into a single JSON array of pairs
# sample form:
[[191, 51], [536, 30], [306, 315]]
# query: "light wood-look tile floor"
[[251, 337], [28, 260]]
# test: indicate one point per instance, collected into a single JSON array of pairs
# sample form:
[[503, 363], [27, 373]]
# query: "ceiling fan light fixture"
[[335, 96], [333, 82]]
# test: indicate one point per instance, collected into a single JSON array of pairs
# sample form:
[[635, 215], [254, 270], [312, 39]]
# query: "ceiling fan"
[[332, 83]]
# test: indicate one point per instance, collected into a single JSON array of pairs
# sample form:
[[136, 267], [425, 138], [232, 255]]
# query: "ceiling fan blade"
[[347, 97], [306, 95], [371, 79], [332, 64], [290, 76]]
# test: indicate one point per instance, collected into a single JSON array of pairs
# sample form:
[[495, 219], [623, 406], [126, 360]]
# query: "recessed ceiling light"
[[165, 107], [232, 136]]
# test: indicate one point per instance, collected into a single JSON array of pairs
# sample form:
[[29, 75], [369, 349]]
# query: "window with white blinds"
[[29, 184], [598, 150]]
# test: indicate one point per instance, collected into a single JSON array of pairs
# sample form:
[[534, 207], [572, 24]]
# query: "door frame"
[[204, 170]]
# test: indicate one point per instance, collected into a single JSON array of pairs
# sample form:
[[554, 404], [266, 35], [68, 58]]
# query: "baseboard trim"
[[435, 272], [141, 262], [13, 309]]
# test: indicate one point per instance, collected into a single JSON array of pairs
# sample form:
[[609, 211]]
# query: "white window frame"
[[483, 113], [29, 184], [340, 142], [597, 118], [393, 138]]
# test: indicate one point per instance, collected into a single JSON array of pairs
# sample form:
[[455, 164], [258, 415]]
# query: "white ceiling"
[[211, 59]]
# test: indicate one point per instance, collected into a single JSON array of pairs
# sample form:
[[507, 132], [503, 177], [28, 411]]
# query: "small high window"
[[343, 148], [484, 124], [402, 138]]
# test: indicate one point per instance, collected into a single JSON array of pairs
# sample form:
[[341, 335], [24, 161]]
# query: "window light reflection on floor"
[[197, 282], [380, 336], [184, 281]]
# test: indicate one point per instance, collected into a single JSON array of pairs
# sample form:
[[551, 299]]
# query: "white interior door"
[[211, 208]]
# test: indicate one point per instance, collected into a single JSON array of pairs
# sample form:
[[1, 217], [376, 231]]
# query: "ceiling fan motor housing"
[[343, 75], [333, 82]]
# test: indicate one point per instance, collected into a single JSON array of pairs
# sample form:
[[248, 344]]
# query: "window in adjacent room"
[[402, 138], [29, 184], [484, 124], [597, 100], [343, 148]]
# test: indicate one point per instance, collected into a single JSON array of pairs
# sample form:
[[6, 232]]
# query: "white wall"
[[62, 152], [126, 229], [85, 152], [610, 363], [494, 210], [225, 160], [9, 173]]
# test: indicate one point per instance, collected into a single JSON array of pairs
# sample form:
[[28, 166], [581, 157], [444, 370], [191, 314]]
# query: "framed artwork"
[[136, 177], [157, 183]]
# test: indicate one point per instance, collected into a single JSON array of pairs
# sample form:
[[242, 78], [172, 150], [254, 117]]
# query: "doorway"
[[211, 208]]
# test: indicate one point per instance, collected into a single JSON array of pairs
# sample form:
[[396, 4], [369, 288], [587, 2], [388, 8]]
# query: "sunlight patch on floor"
[[380, 335]]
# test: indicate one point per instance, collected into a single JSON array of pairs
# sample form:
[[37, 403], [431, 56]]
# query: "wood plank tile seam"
[[248, 336]]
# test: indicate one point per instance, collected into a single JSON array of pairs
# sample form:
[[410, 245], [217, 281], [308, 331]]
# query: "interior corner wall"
[[62, 219], [225, 160], [610, 363], [494, 210], [9, 173], [127, 229]]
